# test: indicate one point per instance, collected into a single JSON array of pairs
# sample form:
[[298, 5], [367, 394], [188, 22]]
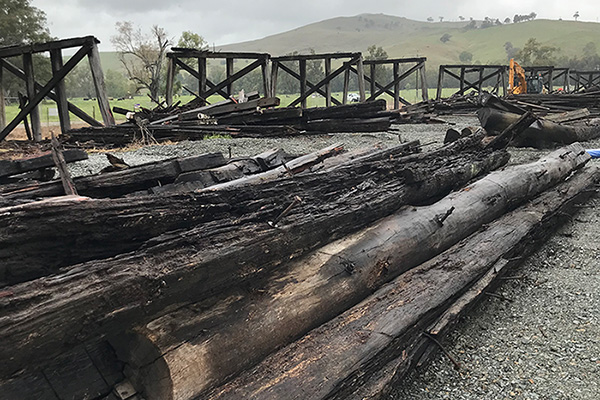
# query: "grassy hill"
[[402, 37]]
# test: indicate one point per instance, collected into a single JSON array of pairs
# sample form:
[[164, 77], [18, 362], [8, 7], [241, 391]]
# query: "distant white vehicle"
[[353, 97]]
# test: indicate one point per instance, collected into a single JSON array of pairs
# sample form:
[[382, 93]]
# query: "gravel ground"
[[430, 135], [544, 344]]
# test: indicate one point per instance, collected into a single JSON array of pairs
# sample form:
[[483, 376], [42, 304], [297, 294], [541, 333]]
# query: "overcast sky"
[[231, 21]]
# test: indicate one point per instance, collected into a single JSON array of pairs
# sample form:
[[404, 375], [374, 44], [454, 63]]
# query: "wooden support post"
[[328, 86], [302, 64], [274, 71], [202, 73], [229, 67], [36, 124], [503, 78], [462, 81], [266, 77], [396, 86], [551, 80], [61, 94], [98, 77], [480, 84], [361, 78], [2, 100], [424, 88], [438, 95], [346, 84], [373, 87], [61, 166], [170, 81]]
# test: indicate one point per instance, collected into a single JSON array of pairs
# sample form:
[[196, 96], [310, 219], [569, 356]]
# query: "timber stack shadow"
[[326, 275]]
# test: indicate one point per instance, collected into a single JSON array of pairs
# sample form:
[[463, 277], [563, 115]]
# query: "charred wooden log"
[[342, 359], [540, 133], [100, 298], [14, 167], [117, 183], [223, 340]]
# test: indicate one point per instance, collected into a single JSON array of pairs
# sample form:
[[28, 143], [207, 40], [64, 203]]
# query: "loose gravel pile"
[[542, 343]]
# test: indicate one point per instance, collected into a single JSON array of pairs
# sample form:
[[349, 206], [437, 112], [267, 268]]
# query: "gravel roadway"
[[542, 343]]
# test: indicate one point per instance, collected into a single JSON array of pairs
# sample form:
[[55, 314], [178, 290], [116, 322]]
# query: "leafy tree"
[[511, 51], [191, 40], [534, 53], [487, 22], [441, 19], [117, 85], [376, 53], [461, 17], [430, 19], [465, 57], [21, 23], [471, 25], [507, 20], [445, 37], [142, 55], [576, 15], [532, 16]]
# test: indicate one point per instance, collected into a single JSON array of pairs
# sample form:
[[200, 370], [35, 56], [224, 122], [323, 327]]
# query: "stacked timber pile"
[[497, 116], [315, 279], [254, 117], [546, 105]]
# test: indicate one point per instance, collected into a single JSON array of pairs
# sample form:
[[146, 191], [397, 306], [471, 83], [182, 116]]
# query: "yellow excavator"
[[518, 83]]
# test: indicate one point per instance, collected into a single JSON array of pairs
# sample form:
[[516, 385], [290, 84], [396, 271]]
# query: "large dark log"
[[348, 125], [243, 328], [539, 134], [358, 110], [118, 183], [13, 167], [100, 298], [40, 237], [335, 360]]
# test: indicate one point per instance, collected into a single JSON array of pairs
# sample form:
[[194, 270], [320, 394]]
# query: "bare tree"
[[576, 15], [142, 55]]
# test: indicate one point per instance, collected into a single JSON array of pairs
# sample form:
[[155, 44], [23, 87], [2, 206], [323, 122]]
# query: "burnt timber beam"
[[34, 111], [310, 84], [13, 51], [98, 78], [170, 81], [328, 98], [177, 52], [43, 92], [229, 73], [302, 68], [61, 94], [10, 67], [2, 103], [424, 88], [317, 56]]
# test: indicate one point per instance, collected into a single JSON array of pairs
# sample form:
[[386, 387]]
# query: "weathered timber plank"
[[14, 167]]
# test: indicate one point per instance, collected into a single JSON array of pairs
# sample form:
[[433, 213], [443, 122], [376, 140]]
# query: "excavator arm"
[[516, 71]]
